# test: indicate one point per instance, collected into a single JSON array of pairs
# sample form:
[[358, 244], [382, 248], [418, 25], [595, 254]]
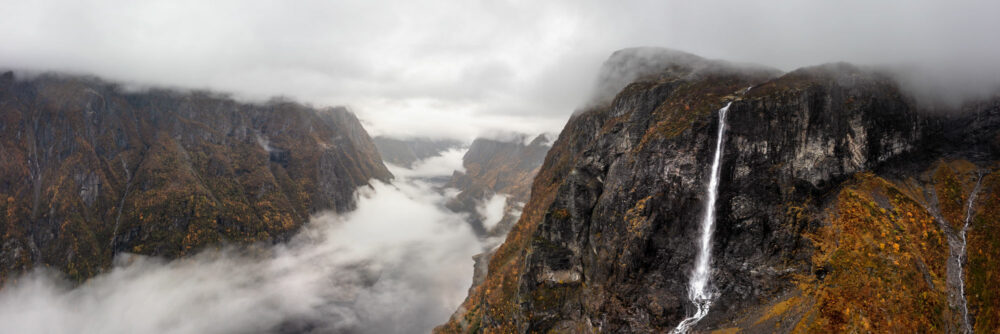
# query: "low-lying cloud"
[[400, 263], [441, 165], [492, 210]]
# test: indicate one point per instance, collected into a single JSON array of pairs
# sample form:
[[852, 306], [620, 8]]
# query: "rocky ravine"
[[89, 170], [831, 183]]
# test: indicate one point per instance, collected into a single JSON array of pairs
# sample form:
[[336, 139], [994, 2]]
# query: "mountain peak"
[[629, 65]]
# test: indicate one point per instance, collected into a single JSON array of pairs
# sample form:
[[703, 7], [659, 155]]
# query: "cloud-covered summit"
[[455, 69]]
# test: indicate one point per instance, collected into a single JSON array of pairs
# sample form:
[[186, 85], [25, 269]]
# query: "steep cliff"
[[88, 169], [824, 222]]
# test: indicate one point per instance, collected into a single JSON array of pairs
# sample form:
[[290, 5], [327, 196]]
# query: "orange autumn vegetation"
[[982, 269], [883, 255]]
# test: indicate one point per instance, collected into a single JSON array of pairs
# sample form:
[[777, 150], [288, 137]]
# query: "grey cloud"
[[495, 64]]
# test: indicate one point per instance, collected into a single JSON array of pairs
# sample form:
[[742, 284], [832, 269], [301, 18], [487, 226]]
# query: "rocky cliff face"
[[88, 170], [830, 210]]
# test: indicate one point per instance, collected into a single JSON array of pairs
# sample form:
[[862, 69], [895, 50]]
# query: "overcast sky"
[[459, 68]]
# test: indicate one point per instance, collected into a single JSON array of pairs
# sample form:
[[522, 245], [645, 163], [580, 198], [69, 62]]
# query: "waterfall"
[[966, 322], [698, 291]]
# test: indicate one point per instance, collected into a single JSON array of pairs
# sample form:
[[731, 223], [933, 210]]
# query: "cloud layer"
[[400, 263], [450, 68], [441, 165]]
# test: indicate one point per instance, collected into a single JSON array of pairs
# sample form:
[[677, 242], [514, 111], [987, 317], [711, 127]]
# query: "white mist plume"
[[492, 210], [398, 264], [264, 144], [443, 164]]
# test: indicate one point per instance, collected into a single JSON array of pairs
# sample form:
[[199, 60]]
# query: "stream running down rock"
[[698, 291]]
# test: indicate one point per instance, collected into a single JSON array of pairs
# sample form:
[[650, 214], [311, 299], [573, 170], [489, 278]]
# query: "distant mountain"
[[404, 152], [843, 206], [88, 169], [496, 166]]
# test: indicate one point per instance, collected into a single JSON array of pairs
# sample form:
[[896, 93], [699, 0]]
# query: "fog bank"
[[400, 263]]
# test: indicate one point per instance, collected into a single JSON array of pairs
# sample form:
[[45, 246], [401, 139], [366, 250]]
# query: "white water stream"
[[698, 291], [966, 322]]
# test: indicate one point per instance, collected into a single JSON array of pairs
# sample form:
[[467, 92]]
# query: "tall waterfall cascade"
[[963, 303], [698, 290]]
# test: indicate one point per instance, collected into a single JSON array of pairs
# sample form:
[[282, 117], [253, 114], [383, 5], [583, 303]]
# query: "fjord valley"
[[501, 166], [705, 195], [221, 206]]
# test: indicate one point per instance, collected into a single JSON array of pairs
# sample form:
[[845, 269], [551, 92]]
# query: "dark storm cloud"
[[457, 68]]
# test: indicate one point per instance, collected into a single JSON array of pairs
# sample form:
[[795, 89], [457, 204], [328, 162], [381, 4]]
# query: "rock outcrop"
[[88, 169], [826, 210]]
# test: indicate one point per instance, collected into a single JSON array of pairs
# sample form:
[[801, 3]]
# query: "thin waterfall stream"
[[966, 322], [698, 291]]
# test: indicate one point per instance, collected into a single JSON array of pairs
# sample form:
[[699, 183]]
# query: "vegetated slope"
[[88, 170], [827, 218]]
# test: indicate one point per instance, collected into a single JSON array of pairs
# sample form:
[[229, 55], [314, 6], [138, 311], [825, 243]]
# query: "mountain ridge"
[[91, 170]]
